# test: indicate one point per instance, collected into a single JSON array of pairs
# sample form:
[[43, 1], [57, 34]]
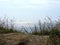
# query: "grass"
[[50, 28], [6, 27]]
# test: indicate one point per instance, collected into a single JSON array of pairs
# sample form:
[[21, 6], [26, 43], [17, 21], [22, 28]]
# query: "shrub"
[[54, 35]]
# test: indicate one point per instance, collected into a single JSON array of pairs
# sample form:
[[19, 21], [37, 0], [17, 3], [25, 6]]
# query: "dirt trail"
[[22, 39]]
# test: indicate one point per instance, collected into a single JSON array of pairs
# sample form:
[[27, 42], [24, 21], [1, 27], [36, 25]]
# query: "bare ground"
[[22, 39]]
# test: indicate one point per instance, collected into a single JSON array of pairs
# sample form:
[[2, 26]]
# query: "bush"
[[54, 35], [54, 32]]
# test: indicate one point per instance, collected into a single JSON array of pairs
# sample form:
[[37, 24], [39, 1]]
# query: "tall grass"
[[45, 28], [49, 28], [7, 26]]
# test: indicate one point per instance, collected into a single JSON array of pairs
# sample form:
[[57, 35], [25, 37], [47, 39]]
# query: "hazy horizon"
[[29, 11]]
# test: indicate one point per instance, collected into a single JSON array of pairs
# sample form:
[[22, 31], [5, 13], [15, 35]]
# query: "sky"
[[29, 11]]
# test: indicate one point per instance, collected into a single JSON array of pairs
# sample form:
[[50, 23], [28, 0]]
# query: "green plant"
[[54, 35]]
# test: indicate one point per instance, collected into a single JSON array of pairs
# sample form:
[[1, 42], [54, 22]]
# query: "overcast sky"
[[29, 11]]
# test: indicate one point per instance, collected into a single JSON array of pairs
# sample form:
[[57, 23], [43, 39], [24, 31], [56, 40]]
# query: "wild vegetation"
[[7, 26], [50, 28]]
